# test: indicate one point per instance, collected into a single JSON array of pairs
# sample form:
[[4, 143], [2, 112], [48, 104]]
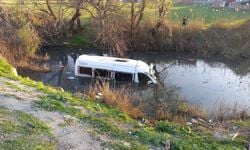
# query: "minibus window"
[[85, 70], [143, 78], [101, 73], [120, 76]]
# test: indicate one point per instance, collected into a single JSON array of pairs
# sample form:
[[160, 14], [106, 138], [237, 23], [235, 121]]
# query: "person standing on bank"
[[184, 21]]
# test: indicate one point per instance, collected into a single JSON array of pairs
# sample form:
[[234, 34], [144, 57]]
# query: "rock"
[[189, 123]]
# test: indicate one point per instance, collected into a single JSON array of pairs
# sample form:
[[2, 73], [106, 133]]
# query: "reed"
[[223, 112]]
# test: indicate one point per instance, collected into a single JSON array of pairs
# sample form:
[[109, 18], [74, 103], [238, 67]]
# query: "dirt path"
[[68, 131]]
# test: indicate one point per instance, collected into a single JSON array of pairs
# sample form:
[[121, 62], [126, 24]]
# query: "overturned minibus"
[[117, 69]]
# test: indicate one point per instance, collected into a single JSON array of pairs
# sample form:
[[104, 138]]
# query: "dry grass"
[[172, 110], [178, 111], [119, 98], [223, 112]]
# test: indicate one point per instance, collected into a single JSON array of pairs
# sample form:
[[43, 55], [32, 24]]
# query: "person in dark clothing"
[[184, 21]]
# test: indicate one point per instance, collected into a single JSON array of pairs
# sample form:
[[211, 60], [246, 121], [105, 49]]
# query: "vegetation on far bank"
[[120, 28]]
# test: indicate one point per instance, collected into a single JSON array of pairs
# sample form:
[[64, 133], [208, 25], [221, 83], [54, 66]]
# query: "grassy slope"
[[118, 126], [22, 131]]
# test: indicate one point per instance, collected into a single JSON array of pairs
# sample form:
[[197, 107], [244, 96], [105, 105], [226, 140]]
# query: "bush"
[[29, 38]]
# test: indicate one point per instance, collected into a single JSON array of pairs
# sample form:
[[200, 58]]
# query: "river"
[[202, 82]]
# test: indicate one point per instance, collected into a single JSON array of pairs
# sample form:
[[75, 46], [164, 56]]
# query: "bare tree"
[[102, 9], [163, 8], [51, 14], [136, 14], [77, 4]]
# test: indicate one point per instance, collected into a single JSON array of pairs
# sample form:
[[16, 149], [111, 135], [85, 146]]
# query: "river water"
[[201, 82]]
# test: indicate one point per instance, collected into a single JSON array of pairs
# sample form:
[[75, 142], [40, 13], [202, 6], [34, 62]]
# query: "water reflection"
[[197, 81]]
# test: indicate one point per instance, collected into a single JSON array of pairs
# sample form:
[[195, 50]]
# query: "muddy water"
[[201, 82]]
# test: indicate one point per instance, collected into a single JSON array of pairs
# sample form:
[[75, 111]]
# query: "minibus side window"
[[102, 73], [85, 70], [121, 76], [143, 78]]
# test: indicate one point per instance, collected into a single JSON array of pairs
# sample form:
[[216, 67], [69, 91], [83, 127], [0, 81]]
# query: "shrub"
[[119, 98], [29, 38]]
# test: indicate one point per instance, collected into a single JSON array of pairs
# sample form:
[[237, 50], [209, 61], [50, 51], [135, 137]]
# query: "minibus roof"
[[113, 63]]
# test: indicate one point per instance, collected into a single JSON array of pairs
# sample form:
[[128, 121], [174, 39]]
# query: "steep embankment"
[[67, 130], [33, 115]]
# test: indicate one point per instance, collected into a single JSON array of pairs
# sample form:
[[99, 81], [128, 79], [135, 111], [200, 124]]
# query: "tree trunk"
[[76, 18], [73, 19], [50, 9]]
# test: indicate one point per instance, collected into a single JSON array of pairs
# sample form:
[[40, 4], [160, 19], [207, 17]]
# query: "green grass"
[[22, 131], [79, 40], [5, 68], [245, 123], [207, 13], [195, 140], [83, 38], [14, 86]]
